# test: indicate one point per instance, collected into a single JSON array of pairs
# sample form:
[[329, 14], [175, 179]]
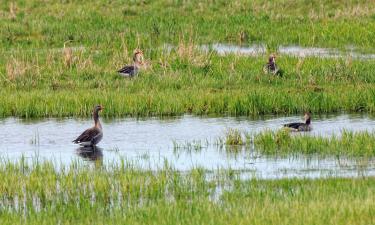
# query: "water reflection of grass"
[[118, 194], [35, 140], [190, 146]]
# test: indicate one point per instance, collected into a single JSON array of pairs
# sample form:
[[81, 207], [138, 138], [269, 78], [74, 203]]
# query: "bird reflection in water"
[[90, 153]]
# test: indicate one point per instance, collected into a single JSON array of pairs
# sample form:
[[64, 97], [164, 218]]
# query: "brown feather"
[[87, 135]]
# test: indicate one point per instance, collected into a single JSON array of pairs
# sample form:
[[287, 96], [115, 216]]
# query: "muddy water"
[[149, 143]]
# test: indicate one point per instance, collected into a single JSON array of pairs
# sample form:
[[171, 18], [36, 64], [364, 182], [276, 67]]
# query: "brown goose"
[[301, 126], [93, 135], [130, 71], [271, 67]]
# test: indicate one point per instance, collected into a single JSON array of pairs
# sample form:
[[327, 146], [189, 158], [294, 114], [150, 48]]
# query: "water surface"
[[151, 142]]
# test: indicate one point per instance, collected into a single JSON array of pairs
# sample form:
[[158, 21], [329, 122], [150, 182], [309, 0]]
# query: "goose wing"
[[126, 70], [293, 125], [87, 135]]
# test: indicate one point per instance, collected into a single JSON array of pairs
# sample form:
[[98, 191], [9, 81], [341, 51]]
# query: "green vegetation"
[[107, 25], [233, 137], [118, 194], [59, 59], [348, 143], [284, 143]]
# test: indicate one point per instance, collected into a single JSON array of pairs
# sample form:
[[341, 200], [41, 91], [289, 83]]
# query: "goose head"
[[307, 118], [138, 57], [98, 108], [272, 58]]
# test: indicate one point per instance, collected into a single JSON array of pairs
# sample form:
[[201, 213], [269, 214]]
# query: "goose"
[[271, 67], [132, 70], [301, 126], [93, 135]]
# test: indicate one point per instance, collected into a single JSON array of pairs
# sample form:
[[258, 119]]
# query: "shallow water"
[[151, 142], [291, 50], [248, 50]]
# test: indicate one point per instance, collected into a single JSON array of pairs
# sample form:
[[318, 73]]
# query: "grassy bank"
[[59, 59], [221, 86], [40, 194]]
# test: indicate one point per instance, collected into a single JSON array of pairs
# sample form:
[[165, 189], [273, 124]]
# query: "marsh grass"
[[121, 193], [283, 142], [347, 143], [234, 137], [35, 140], [179, 90], [39, 72], [190, 146]]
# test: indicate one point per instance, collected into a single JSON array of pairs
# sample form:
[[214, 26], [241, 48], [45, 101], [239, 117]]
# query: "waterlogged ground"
[[184, 142], [291, 50]]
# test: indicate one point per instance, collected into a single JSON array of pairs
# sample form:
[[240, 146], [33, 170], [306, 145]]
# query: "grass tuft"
[[234, 137]]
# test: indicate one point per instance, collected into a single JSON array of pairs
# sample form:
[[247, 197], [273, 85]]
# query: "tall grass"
[[41, 194]]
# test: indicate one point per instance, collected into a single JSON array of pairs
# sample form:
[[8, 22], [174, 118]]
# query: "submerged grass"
[[285, 143], [60, 59], [41, 194], [234, 137], [346, 144]]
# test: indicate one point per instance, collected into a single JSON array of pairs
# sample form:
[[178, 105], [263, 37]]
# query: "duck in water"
[[93, 135], [271, 67], [132, 70], [301, 126]]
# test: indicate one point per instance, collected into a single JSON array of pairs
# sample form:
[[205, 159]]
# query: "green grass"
[[336, 23], [39, 78], [40, 194], [285, 143], [323, 86], [234, 137], [347, 144]]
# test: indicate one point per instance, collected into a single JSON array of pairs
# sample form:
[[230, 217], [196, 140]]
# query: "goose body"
[[271, 67], [128, 71], [132, 70], [306, 126], [93, 135]]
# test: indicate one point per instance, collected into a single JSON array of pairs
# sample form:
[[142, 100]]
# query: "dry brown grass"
[[83, 62], [192, 54], [16, 68], [75, 57], [13, 10], [186, 50], [68, 56]]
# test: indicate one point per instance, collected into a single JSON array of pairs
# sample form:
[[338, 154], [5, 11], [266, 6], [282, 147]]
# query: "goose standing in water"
[[301, 126], [93, 135], [271, 67], [132, 70]]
